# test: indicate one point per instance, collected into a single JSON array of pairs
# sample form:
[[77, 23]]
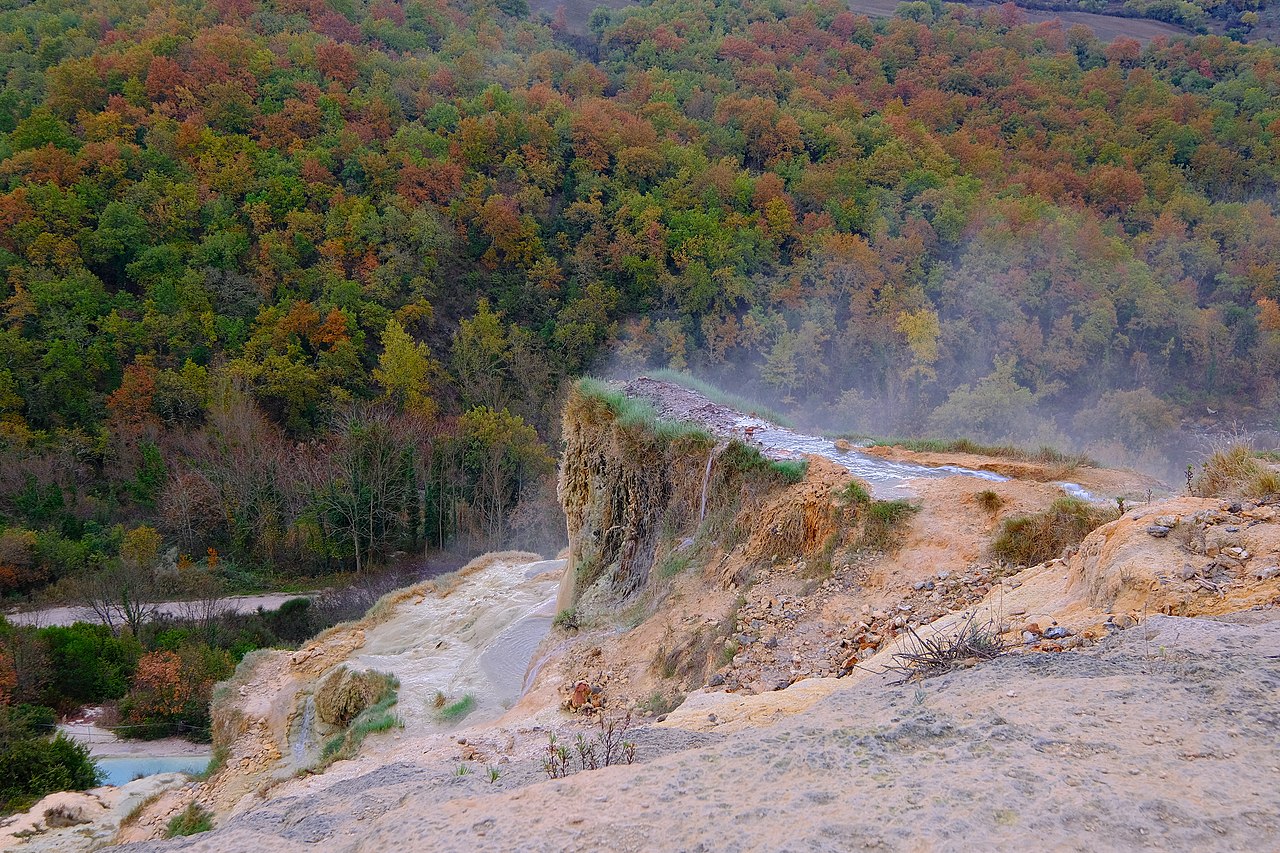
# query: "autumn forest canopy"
[[291, 286]]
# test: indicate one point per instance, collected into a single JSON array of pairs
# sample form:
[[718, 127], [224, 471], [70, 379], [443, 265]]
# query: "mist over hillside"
[[292, 287]]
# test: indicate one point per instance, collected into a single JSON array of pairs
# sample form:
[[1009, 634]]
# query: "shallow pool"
[[120, 770]]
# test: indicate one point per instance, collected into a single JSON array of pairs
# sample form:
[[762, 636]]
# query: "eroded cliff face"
[[617, 486], [633, 491]]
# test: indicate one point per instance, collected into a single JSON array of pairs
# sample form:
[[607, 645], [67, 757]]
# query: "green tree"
[[501, 456], [406, 371]]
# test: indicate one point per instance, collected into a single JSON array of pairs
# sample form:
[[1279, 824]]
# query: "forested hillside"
[[289, 286]]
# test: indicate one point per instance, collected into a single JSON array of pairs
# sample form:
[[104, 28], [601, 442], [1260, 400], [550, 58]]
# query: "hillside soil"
[[1162, 737]]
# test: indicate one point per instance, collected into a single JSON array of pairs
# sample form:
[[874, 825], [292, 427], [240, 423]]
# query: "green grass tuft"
[[1029, 540], [455, 711], [193, 819], [747, 459]]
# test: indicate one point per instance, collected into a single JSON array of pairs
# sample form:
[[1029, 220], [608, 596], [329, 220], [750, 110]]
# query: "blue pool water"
[[125, 769]]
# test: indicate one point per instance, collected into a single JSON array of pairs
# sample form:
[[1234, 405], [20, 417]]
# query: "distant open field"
[[1105, 27]]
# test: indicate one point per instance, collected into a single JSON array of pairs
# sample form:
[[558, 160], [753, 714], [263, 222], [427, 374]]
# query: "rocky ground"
[[757, 673], [1162, 737], [84, 820]]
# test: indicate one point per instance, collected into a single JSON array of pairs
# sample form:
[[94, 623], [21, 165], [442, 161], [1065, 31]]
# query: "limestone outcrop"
[[631, 483]]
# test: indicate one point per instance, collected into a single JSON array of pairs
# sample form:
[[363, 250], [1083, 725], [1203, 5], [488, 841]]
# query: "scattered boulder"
[[585, 698], [1266, 573], [344, 693]]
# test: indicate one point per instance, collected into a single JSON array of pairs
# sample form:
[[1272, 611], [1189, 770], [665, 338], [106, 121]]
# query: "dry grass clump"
[[1044, 456], [989, 500], [973, 643], [1031, 539], [1235, 471]]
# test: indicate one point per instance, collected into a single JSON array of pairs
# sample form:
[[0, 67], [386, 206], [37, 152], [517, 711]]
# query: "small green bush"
[[854, 494], [455, 711], [34, 766], [883, 524], [193, 819], [1032, 539]]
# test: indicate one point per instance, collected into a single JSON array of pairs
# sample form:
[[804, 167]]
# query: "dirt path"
[[68, 614]]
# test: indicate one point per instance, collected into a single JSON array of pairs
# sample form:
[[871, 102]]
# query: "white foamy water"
[[477, 641], [1075, 490], [886, 478]]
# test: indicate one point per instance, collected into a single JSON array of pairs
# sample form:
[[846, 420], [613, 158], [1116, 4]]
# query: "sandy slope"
[[1164, 737]]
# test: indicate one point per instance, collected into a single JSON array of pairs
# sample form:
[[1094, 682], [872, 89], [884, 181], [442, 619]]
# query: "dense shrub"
[[35, 765], [171, 692], [1028, 540], [89, 664]]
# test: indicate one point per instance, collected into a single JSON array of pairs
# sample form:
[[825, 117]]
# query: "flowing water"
[[1075, 490], [508, 658], [302, 739], [476, 641], [886, 478], [706, 478]]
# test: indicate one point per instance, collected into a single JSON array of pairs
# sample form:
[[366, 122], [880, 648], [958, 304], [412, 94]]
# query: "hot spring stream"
[[472, 646]]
